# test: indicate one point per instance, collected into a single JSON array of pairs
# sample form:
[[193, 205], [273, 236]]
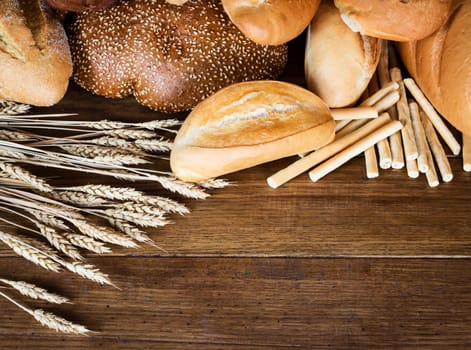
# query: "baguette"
[[34, 54], [246, 124], [440, 64], [338, 78]]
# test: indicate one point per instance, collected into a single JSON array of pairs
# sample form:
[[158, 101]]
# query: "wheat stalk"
[[131, 134], [154, 145], [50, 320], [48, 219], [11, 135], [12, 108], [77, 198], [89, 272], [140, 219], [214, 184], [58, 241], [87, 243], [35, 292], [131, 230], [104, 234], [24, 175]]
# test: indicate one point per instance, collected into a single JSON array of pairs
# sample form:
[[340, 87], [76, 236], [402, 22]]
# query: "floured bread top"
[[252, 113]]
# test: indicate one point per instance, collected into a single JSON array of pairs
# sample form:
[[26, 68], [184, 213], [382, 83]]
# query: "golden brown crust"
[[34, 55], [393, 19], [272, 22], [247, 124], [169, 57], [440, 65], [339, 63]]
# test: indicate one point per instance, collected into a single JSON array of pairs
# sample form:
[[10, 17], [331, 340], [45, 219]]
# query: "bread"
[[394, 20], [441, 66], [338, 63], [246, 124], [271, 22], [169, 57], [34, 54]]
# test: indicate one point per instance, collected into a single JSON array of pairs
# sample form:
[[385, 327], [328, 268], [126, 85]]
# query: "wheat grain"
[[166, 204], [214, 184], [35, 292], [140, 208], [12, 135], [29, 252], [104, 234], [116, 142], [154, 145], [58, 241], [105, 125], [109, 155], [12, 108], [87, 243], [140, 219], [88, 271], [11, 154], [160, 124], [118, 158], [109, 192], [186, 189], [24, 175], [48, 219]]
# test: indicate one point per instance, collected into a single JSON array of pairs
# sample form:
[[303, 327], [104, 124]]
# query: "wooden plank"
[[276, 302]]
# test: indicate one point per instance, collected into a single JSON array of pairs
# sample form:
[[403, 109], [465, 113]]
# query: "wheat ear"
[[24, 175], [35, 292], [104, 234], [58, 241], [88, 243]]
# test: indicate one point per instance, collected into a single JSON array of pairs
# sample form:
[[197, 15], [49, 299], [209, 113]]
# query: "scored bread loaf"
[[169, 57], [393, 19], [246, 124], [338, 62], [34, 54], [271, 22], [441, 66]]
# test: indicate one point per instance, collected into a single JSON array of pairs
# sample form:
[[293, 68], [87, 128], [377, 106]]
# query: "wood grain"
[[259, 302]]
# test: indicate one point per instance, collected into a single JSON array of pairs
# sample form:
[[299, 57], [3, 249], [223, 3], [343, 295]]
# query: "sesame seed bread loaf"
[[246, 124], [338, 62], [441, 66], [272, 22], [393, 19], [34, 54], [169, 57]]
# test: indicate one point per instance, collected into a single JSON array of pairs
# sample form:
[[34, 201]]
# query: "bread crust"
[[441, 66], [394, 20], [247, 124], [272, 22], [338, 62], [169, 57], [34, 54]]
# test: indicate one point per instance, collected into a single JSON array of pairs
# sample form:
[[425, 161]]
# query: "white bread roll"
[[441, 66], [394, 20], [338, 62], [34, 54], [271, 22], [246, 124]]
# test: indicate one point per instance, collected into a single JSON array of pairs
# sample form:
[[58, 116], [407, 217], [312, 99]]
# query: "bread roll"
[[247, 124], [441, 66], [394, 20], [271, 22], [338, 62], [34, 54], [169, 57]]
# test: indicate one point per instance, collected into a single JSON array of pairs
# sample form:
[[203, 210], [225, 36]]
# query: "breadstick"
[[420, 138], [412, 169], [362, 112], [410, 148], [388, 101], [320, 155], [340, 125], [437, 149], [384, 152], [380, 94], [466, 152], [371, 163], [436, 120], [431, 173], [355, 149]]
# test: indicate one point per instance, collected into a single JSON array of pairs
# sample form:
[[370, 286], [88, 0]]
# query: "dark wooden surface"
[[345, 263]]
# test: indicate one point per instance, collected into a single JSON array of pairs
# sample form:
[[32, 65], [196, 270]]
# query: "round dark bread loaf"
[[169, 57]]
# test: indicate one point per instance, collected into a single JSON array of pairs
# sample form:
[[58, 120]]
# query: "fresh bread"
[[338, 62], [441, 66], [271, 22], [246, 124], [34, 54], [169, 57], [393, 19]]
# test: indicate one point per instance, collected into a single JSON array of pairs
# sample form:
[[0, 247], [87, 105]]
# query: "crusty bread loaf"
[[169, 57], [394, 20], [246, 124], [339, 63], [34, 54], [441, 66], [271, 22]]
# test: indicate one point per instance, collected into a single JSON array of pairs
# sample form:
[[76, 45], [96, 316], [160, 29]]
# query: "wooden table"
[[345, 263]]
